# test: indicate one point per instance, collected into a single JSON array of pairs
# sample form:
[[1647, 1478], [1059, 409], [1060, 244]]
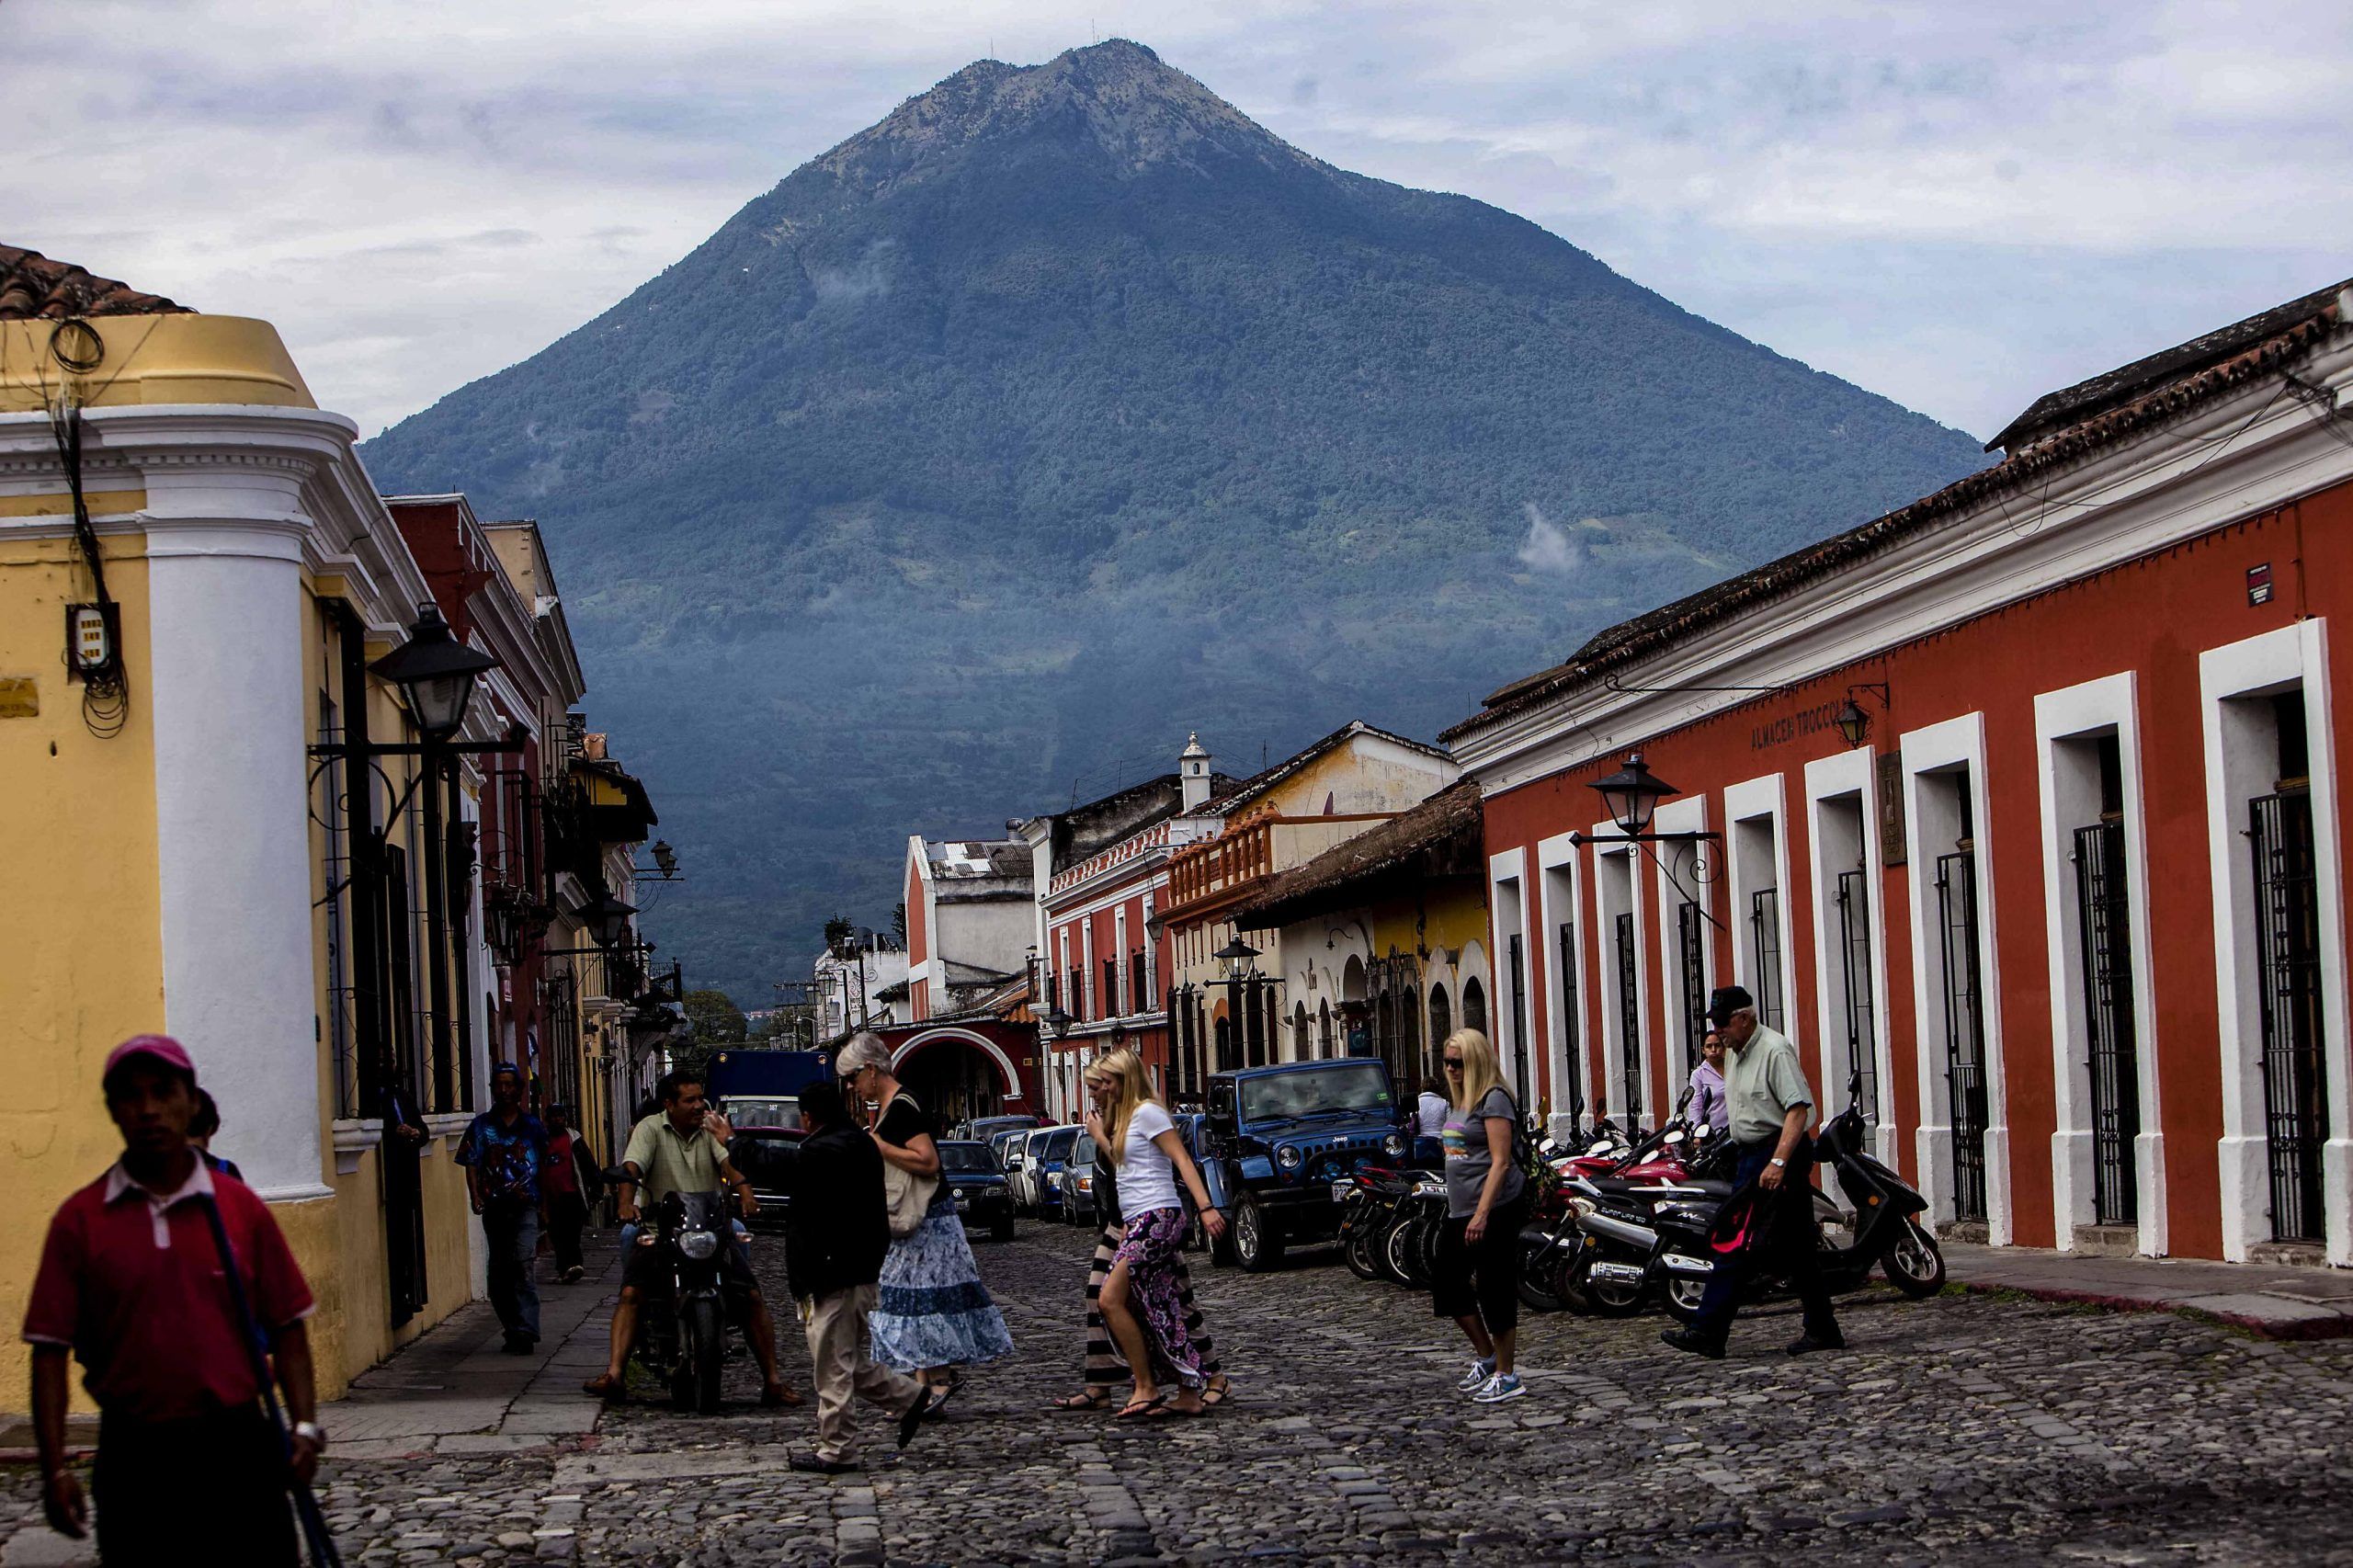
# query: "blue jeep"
[[1279, 1137]]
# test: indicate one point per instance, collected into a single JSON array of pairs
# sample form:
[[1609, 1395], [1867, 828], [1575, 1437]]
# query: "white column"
[[226, 702]]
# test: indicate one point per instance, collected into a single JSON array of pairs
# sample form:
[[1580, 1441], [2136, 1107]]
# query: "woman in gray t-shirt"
[[1476, 1281]]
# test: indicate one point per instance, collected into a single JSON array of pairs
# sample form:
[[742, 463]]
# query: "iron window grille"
[[1519, 960], [2104, 926], [1853, 899], [1765, 954], [1572, 1021], [1692, 967], [2288, 954], [1629, 1023], [1964, 1028]]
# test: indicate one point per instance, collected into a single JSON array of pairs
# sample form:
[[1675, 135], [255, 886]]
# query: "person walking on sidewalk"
[[1476, 1281], [505, 1152], [683, 1148], [573, 1183], [835, 1235], [131, 1284], [1770, 1104], [933, 1313], [1139, 1299]]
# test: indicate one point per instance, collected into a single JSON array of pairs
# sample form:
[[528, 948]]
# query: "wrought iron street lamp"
[[1235, 956], [607, 921], [1852, 722], [436, 674], [1632, 794]]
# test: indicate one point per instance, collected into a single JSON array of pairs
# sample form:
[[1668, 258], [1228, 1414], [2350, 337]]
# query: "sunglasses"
[[1454, 1065]]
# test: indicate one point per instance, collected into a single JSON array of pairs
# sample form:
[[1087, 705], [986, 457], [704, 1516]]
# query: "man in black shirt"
[[837, 1231]]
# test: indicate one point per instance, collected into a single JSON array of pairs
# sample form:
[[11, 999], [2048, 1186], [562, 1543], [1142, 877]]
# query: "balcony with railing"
[[1204, 876]]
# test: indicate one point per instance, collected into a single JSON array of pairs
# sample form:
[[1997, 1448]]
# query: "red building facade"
[[2064, 895]]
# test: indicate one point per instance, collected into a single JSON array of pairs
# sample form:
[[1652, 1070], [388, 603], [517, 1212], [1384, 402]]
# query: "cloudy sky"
[[1958, 206]]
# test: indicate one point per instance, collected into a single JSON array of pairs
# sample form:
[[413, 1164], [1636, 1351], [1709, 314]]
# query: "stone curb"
[[2311, 1323]]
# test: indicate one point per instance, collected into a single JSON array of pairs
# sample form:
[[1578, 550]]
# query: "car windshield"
[[1058, 1142], [1083, 1152], [966, 1157], [766, 1160], [748, 1111], [1283, 1096]]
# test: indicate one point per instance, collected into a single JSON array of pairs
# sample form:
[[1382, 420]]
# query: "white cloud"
[[1959, 207], [1548, 547]]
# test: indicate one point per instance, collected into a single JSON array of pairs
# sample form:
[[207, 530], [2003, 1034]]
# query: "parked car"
[[1048, 1153], [1194, 1129], [1007, 1146], [977, 1183], [766, 1156], [984, 1129], [1021, 1169], [1286, 1141], [1079, 1207]]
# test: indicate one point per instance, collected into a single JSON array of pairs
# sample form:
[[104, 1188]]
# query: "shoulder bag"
[[906, 1195]]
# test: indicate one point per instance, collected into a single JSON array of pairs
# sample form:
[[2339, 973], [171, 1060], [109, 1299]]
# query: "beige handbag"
[[906, 1195]]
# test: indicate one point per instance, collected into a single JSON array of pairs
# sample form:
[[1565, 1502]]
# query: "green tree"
[[716, 1020]]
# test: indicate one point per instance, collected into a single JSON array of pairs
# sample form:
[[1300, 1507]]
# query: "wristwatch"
[[314, 1432], [1778, 1162]]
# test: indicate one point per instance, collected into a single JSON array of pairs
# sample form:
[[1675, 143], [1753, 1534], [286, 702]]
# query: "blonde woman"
[[1140, 1298], [1476, 1281], [932, 1314]]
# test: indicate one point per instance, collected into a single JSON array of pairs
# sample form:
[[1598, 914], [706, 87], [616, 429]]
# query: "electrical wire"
[[106, 686]]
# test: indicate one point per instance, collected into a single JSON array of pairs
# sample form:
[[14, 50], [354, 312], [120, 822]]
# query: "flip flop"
[[1093, 1398], [1143, 1409], [783, 1394]]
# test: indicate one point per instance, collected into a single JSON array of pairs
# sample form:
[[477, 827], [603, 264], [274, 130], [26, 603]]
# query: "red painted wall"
[[918, 943], [2153, 616]]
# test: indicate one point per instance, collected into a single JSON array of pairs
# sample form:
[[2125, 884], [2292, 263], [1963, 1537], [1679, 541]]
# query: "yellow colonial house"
[[218, 822]]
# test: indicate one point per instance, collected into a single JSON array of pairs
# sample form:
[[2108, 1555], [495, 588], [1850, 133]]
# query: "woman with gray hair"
[[933, 1313]]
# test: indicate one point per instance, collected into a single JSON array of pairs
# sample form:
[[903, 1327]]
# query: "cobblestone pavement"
[[1969, 1428]]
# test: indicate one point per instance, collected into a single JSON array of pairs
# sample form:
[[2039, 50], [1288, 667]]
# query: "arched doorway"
[[956, 1075], [1441, 1018], [1299, 1031], [1474, 1006], [1324, 1029]]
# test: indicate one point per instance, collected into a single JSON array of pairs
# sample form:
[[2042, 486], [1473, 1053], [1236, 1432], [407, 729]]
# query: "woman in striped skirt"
[[1106, 1373]]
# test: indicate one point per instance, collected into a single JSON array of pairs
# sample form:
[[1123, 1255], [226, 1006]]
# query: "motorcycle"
[[1886, 1231], [682, 1331], [1595, 1255], [1368, 1211]]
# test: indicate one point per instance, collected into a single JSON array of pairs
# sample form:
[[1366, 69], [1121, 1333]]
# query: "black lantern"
[[1852, 722], [666, 859], [1057, 1022], [1153, 924], [1632, 794], [1236, 956], [436, 674], [607, 920], [503, 917]]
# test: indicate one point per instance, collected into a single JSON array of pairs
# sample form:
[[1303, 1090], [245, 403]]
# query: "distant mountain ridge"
[[1066, 410]]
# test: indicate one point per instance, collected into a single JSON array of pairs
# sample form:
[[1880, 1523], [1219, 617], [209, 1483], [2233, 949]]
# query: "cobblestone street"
[[1969, 1426]]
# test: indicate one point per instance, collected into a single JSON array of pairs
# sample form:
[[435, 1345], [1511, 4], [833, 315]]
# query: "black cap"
[[1725, 1001]]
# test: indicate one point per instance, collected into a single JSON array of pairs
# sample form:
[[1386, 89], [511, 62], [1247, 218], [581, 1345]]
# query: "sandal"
[[783, 1394], [1093, 1398], [1215, 1394], [1142, 1409], [607, 1387]]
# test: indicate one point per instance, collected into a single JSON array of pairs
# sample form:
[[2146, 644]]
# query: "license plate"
[[1341, 1190], [963, 1200]]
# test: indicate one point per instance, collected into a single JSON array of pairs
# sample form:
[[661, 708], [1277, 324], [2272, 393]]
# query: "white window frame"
[[1561, 884], [1766, 800], [1125, 1002], [2083, 712], [1687, 816], [2254, 667], [1829, 781], [1508, 917], [1611, 863], [1934, 750]]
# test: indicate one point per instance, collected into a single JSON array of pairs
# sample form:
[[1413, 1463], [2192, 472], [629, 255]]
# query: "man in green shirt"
[[1765, 1089], [683, 1148]]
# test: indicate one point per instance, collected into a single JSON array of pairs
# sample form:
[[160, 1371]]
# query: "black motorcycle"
[[682, 1331], [1886, 1228]]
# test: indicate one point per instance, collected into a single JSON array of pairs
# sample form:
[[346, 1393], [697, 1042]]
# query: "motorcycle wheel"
[[702, 1351], [1395, 1253], [1424, 1260], [1256, 1246], [1913, 1264], [1682, 1298], [1358, 1252], [1568, 1282], [1535, 1284]]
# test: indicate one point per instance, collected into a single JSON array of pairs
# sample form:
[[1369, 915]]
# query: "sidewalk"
[[2271, 1302], [455, 1390]]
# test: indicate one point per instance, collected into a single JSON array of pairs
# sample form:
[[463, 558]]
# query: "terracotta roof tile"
[[34, 288]]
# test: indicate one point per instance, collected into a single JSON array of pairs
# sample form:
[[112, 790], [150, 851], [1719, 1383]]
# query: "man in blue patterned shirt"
[[503, 1151]]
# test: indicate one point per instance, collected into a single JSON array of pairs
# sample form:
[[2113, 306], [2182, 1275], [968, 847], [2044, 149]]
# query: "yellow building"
[[1347, 783], [1382, 939], [207, 834]]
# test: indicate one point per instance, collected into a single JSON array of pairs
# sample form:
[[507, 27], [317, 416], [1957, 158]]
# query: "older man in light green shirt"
[[1765, 1090]]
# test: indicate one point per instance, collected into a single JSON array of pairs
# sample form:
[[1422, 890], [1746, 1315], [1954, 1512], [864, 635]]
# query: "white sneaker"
[[1482, 1373], [1499, 1388]]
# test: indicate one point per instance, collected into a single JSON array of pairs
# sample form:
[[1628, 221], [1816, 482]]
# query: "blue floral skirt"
[[933, 1309]]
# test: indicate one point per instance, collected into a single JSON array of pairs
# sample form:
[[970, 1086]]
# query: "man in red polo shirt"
[[131, 1284]]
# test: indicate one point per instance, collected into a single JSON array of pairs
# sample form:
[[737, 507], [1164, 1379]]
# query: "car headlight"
[[1053, 1178], [701, 1245], [1287, 1157], [1392, 1145]]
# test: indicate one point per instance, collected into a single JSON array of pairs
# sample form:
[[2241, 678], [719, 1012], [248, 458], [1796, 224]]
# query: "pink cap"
[[161, 1047]]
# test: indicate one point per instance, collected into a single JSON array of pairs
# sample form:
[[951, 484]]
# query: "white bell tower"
[[1193, 771]]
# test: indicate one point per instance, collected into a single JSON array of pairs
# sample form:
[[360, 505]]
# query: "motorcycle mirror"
[[1599, 1147], [1683, 1099], [1673, 1138]]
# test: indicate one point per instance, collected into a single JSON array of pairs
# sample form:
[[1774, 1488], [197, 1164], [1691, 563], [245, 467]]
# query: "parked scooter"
[[1596, 1254], [682, 1331], [1886, 1231]]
